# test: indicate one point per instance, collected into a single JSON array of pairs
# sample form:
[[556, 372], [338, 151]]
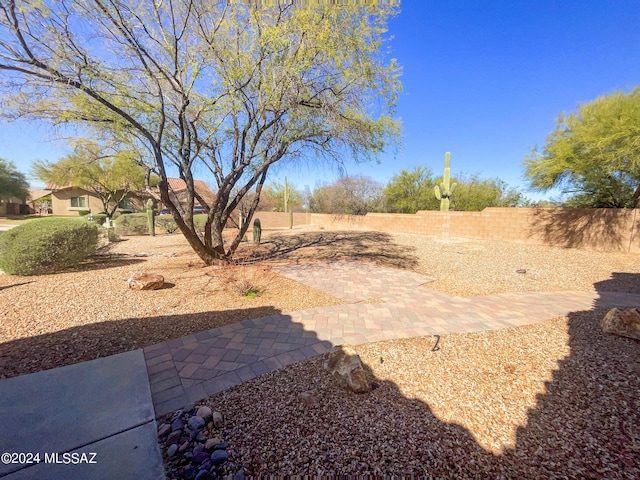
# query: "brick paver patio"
[[384, 304]]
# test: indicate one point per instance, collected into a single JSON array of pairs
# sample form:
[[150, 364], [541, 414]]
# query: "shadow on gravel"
[[325, 246], [81, 343], [586, 424]]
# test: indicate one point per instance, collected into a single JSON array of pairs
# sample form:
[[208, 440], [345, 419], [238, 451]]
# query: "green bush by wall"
[[131, 224], [47, 245]]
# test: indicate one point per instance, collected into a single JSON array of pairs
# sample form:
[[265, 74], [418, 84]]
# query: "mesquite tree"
[[205, 86]]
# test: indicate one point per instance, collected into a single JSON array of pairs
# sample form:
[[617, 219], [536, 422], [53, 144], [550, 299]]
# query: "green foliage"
[[593, 154], [84, 213], [47, 245], [274, 194], [474, 194], [12, 182], [208, 86], [131, 224], [99, 218], [111, 177], [151, 218], [257, 231], [410, 191], [445, 189], [166, 223]]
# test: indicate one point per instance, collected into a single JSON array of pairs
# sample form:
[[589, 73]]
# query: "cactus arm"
[[437, 190]]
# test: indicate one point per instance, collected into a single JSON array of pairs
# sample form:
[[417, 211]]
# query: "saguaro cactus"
[[151, 218], [445, 189], [257, 231]]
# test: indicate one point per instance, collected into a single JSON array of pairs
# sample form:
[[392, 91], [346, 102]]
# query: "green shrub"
[[131, 224], [84, 213], [47, 245], [99, 218], [166, 223]]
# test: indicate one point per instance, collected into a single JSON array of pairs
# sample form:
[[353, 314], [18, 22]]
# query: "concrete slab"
[[131, 454], [69, 408]]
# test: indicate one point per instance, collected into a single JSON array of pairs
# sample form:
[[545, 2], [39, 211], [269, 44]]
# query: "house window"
[[78, 202], [126, 204]]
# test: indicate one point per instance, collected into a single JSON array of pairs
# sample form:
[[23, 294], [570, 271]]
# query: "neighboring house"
[[13, 206], [39, 203], [70, 200], [178, 188]]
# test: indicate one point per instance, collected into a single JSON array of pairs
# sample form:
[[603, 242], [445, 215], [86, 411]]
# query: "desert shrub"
[[99, 218], [247, 281], [166, 223], [132, 224], [47, 245]]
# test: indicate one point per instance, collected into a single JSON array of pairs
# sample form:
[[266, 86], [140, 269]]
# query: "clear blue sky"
[[483, 80]]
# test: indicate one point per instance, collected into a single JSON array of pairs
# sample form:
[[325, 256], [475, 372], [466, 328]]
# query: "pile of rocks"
[[192, 447]]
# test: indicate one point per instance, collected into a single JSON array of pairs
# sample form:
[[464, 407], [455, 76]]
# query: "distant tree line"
[[407, 192]]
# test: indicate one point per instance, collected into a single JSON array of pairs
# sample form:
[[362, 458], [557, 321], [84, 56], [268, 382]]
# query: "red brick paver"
[[185, 370]]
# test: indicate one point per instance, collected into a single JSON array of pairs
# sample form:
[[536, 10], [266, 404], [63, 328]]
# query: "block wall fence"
[[593, 229]]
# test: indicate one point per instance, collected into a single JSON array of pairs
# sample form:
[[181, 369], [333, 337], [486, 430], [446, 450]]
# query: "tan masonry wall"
[[592, 229]]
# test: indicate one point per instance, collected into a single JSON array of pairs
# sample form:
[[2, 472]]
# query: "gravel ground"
[[553, 400]]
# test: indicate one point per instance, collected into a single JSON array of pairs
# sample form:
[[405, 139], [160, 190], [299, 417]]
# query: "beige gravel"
[[553, 400]]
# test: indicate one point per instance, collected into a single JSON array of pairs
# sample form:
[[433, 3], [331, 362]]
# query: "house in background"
[[70, 200], [13, 206]]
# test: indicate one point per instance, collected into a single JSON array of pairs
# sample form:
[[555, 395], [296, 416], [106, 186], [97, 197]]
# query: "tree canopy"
[[12, 182], [411, 190], [351, 195], [109, 176], [593, 154], [228, 89]]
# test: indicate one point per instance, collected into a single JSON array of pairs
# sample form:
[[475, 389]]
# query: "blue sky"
[[483, 80]]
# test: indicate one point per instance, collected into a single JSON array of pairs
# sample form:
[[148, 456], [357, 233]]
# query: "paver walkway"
[[384, 304]]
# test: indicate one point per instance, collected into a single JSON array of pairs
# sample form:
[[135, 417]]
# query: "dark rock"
[[196, 423], [190, 472], [174, 438], [184, 446], [171, 451], [239, 475], [203, 475], [188, 455], [202, 437], [219, 457], [211, 444], [177, 424], [220, 446], [206, 465], [164, 430], [199, 458]]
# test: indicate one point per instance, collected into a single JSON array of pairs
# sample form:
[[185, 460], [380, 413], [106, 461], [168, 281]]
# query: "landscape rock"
[[211, 444], [174, 438], [218, 420], [177, 424], [164, 430], [196, 423], [205, 413], [219, 457], [344, 363], [145, 281], [171, 451], [625, 323]]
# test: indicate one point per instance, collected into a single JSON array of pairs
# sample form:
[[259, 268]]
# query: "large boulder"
[[343, 362], [625, 323], [145, 281]]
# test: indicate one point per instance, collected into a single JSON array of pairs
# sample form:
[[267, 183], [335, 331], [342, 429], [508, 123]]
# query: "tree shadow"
[[310, 247], [585, 425], [16, 285], [95, 340], [577, 227]]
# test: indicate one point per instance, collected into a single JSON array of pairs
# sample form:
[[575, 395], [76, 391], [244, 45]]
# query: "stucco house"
[[70, 200]]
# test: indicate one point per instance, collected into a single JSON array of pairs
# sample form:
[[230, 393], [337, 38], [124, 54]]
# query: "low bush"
[[84, 213], [132, 224], [99, 218], [47, 245], [166, 223]]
